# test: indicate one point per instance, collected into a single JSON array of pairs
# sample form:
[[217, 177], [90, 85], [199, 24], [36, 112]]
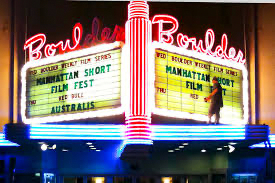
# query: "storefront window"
[[244, 178]]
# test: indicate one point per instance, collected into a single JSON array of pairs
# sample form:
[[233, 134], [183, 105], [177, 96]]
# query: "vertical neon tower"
[[138, 40]]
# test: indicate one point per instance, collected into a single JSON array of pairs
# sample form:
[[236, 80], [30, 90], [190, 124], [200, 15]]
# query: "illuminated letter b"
[[165, 36]]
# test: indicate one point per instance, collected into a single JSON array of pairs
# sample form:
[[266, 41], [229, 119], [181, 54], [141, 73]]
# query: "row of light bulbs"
[[92, 147], [230, 146], [44, 147], [179, 148]]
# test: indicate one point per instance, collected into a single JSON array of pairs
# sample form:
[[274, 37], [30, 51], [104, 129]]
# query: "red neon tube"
[[139, 31]]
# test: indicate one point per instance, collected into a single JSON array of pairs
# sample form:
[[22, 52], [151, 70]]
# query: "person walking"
[[216, 101]]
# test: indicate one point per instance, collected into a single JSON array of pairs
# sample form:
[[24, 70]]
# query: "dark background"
[[56, 18]]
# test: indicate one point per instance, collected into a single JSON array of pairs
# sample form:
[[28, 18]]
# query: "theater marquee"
[[184, 78], [76, 85], [157, 77]]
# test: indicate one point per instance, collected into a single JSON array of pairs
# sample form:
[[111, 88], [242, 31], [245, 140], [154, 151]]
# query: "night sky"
[[56, 18]]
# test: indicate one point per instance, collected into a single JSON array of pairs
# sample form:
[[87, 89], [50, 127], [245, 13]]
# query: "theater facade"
[[126, 104]]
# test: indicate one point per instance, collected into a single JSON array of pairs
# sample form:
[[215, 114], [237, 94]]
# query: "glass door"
[[73, 180]]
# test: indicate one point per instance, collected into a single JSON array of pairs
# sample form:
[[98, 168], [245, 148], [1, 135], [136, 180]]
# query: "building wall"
[[4, 61], [250, 40], [5, 27], [266, 61]]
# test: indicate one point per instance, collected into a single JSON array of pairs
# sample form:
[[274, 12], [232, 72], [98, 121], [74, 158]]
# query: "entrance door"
[[122, 180], [73, 180], [219, 178], [145, 179]]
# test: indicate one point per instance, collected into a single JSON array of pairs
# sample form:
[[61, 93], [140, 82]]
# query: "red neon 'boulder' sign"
[[221, 51], [35, 44], [50, 49]]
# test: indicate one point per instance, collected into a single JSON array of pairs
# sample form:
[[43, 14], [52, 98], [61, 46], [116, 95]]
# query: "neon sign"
[[36, 43], [183, 41], [61, 88], [136, 77], [179, 57], [181, 82], [138, 115]]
